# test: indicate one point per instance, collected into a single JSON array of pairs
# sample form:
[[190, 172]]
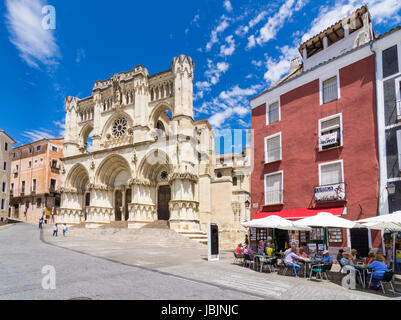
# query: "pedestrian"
[[40, 223], [65, 229], [55, 230], [246, 240]]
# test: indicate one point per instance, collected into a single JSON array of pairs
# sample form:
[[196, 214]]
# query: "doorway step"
[[159, 224], [200, 237], [116, 224]]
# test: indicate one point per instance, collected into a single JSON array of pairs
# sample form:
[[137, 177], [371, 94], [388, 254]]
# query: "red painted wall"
[[299, 126]]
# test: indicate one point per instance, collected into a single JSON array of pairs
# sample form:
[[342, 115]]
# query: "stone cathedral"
[[148, 160]]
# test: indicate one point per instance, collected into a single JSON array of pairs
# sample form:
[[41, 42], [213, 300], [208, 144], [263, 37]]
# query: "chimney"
[[295, 63]]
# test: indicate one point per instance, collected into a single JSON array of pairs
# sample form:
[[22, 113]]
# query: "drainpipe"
[[371, 42]]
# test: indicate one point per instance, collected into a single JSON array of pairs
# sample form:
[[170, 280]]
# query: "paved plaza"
[[141, 264]]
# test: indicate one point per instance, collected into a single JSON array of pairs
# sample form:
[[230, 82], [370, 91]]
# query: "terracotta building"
[[35, 177], [6, 143], [315, 137]]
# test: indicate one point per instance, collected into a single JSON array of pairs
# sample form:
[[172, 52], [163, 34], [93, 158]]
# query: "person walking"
[[55, 230], [40, 223], [65, 229]]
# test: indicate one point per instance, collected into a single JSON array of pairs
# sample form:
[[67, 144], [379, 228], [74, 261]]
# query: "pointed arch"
[[153, 164], [114, 117], [112, 167], [157, 112], [78, 177]]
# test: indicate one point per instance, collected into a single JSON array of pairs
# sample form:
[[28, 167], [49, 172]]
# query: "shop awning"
[[296, 214]]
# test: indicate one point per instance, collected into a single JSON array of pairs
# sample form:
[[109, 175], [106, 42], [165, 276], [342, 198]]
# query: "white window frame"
[[398, 133], [341, 129], [328, 75], [329, 163], [281, 147], [398, 96], [270, 102], [282, 186]]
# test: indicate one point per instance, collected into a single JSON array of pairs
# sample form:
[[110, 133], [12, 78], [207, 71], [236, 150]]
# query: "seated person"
[[354, 254], [248, 251], [302, 252], [348, 260], [370, 258], [291, 257], [340, 256], [269, 250], [239, 249], [379, 267], [327, 262], [261, 250], [380, 251]]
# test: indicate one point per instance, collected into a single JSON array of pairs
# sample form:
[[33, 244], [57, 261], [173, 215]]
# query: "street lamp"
[[390, 188], [247, 204]]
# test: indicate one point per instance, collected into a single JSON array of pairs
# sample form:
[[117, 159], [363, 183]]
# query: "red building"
[[317, 128]]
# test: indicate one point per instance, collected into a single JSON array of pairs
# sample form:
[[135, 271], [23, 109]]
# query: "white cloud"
[[61, 128], [276, 22], [276, 68], [34, 135], [228, 6], [228, 50], [223, 25], [230, 103], [24, 23]]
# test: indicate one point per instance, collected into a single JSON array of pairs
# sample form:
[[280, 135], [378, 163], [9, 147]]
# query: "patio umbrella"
[[274, 222], [392, 217], [326, 220], [385, 225]]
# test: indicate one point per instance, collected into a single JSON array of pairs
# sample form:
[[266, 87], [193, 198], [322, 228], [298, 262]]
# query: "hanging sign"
[[333, 192]]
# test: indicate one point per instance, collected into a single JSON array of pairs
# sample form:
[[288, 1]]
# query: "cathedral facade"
[[148, 159]]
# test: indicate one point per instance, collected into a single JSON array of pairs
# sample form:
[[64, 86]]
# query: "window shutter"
[[330, 89], [330, 174], [273, 149], [274, 112], [273, 189]]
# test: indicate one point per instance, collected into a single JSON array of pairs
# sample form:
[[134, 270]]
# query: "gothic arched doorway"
[[118, 203], [163, 198]]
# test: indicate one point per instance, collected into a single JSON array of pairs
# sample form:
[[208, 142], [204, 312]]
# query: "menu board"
[[311, 248], [302, 235], [316, 234], [261, 234], [253, 234], [335, 235]]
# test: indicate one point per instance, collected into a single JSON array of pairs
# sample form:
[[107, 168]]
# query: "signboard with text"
[[333, 192]]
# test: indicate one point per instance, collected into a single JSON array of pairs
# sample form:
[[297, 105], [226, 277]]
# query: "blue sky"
[[239, 48]]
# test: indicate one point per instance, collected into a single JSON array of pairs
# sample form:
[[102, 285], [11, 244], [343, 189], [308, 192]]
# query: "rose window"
[[120, 127]]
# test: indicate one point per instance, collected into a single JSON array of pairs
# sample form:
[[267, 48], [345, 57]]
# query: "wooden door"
[[163, 198], [118, 205]]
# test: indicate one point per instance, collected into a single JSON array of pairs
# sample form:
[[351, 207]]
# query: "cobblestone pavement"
[[122, 270]]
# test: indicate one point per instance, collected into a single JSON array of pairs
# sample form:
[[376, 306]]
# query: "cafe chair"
[[269, 263], [286, 268], [248, 261], [238, 258], [387, 278], [318, 269]]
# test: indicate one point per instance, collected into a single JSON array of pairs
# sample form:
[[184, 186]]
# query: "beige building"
[[35, 177], [133, 153], [6, 144]]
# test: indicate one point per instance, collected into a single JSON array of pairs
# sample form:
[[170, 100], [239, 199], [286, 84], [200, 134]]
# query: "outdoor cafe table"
[[310, 263], [261, 258]]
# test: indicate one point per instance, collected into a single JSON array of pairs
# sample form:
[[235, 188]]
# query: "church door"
[[87, 204], [118, 204], [164, 196], [127, 202]]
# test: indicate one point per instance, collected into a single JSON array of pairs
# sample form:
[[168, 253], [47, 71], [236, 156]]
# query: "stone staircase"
[[146, 238], [200, 236]]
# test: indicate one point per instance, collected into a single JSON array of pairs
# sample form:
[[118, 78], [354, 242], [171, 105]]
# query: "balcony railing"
[[330, 192], [273, 197]]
